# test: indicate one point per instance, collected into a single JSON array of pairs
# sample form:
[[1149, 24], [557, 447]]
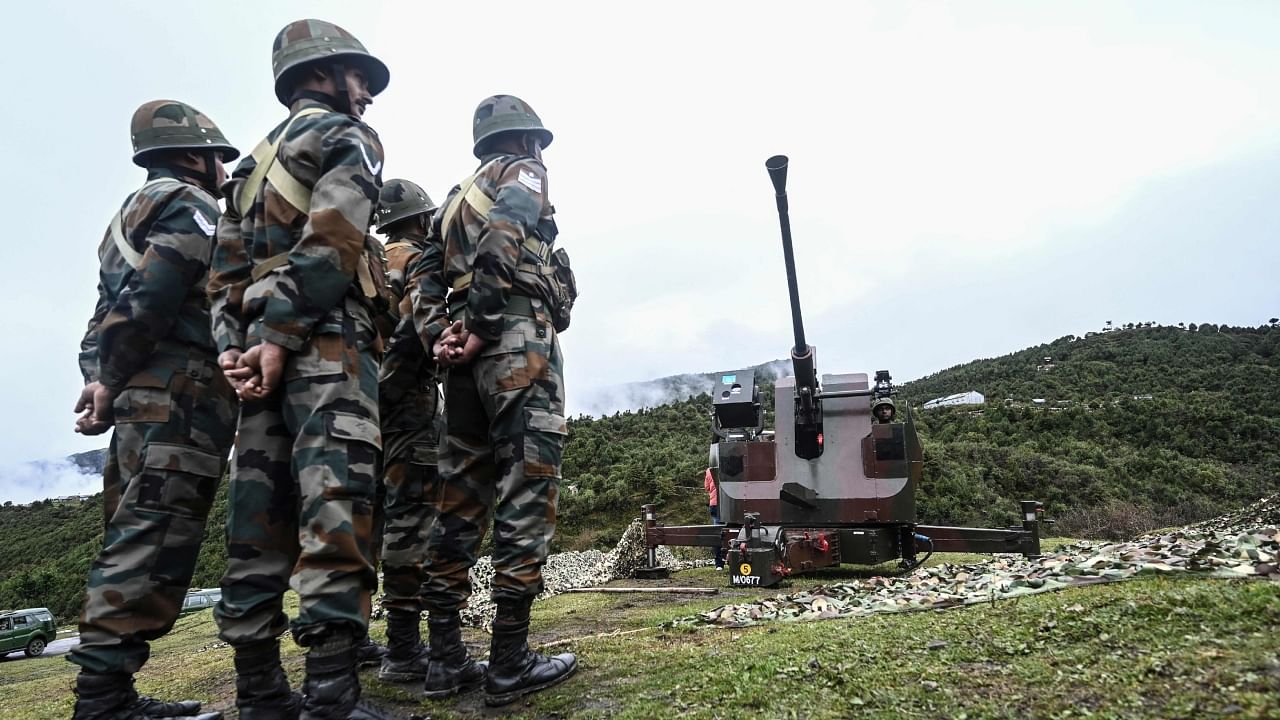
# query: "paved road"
[[57, 647]]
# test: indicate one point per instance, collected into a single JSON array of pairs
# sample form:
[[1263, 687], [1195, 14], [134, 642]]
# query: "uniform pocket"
[[323, 356], [345, 426], [146, 398], [142, 405], [504, 365], [179, 480], [544, 435], [353, 445], [423, 454]]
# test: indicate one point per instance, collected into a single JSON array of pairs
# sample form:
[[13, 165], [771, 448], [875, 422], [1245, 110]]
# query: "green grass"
[[1155, 647]]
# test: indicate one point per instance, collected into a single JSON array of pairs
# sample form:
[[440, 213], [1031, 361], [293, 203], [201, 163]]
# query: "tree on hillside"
[[1273, 322]]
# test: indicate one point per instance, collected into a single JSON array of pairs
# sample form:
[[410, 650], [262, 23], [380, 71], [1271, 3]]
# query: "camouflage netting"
[[1245, 543], [569, 570]]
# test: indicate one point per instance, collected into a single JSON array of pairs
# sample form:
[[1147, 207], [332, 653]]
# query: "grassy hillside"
[[46, 550], [1203, 434], [1139, 428], [1155, 647]]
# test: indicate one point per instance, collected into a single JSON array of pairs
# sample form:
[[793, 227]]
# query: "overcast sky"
[[966, 179]]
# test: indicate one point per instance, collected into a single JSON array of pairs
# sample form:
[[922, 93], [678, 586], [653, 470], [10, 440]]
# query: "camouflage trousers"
[[302, 487], [411, 475], [504, 433], [174, 424]]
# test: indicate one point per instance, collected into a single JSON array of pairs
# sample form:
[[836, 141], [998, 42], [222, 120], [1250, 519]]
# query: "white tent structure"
[[973, 397]]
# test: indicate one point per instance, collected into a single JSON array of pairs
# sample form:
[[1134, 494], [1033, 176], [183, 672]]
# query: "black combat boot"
[[369, 653], [406, 659], [110, 696], [450, 670], [332, 688], [514, 669], [262, 688]]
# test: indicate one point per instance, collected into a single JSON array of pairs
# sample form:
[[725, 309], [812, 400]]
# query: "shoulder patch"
[[206, 227], [374, 168], [529, 180]]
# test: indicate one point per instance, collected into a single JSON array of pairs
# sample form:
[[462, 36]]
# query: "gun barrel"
[[805, 369], [777, 167]]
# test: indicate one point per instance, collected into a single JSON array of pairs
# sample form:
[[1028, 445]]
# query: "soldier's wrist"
[[235, 343], [432, 333], [113, 382], [486, 329], [285, 340]]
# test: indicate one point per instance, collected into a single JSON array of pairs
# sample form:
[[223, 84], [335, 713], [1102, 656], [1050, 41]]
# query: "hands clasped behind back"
[[456, 346], [255, 373]]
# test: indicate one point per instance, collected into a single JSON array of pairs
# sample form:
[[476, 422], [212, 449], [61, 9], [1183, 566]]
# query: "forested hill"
[[1238, 365], [1139, 428], [1120, 431]]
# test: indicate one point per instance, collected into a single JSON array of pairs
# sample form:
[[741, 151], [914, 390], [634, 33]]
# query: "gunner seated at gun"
[[884, 410]]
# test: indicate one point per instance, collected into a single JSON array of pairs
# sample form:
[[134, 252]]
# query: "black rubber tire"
[[36, 647]]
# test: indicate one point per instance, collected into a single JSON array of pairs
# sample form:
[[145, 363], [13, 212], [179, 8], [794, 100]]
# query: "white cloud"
[[926, 140], [38, 480]]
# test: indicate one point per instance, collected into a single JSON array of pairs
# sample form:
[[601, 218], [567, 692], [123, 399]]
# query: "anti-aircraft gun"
[[832, 485]]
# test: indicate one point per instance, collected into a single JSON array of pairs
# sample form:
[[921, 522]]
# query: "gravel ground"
[[567, 570], [1244, 543]]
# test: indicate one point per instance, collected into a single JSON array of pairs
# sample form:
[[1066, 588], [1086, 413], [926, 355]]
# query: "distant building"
[[71, 499], [973, 397]]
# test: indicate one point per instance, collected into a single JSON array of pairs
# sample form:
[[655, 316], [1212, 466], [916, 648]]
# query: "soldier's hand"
[[266, 365], [470, 349], [229, 358], [449, 345], [95, 403], [229, 361]]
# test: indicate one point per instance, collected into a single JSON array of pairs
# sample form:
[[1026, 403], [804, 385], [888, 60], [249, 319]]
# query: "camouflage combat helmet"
[[302, 42], [173, 125], [881, 402], [505, 113], [401, 199]]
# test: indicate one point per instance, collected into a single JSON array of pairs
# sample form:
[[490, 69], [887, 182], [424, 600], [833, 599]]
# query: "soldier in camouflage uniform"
[[292, 315], [504, 402], [409, 406], [884, 410], [150, 369]]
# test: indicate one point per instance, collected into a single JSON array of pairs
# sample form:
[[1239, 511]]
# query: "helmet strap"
[[340, 82], [532, 148], [340, 100], [316, 95], [210, 174], [207, 179]]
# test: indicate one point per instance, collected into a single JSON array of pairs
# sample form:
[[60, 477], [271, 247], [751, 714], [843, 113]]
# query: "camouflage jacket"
[[426, 316], [491, 250], [407, 391], [170, 224], [339, 159], [402, 250], [404, 353], [386, 310]]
